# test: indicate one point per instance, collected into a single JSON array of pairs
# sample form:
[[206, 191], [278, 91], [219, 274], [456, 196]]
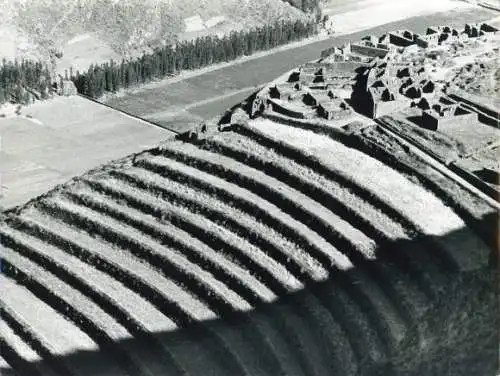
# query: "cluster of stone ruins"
[[375, 76]]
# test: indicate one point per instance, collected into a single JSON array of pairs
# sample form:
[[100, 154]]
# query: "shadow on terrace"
[[410, 311]]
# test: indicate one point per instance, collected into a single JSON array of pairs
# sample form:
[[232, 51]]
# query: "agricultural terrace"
[[265, 249]]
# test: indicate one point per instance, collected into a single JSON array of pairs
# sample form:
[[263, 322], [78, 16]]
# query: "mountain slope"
[[97, 30]]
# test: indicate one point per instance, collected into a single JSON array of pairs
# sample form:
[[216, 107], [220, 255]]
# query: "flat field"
[[63, 138]]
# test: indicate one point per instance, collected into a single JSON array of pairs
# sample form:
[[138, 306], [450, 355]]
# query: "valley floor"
[[182, 103], [55, 140]]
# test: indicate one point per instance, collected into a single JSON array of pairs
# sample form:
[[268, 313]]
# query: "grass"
[[239, 222], [383, 306], [366, 172], [268, 267], [38, 157]]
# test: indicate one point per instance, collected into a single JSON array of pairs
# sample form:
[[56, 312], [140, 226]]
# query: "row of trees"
[[21, 80], [17, 76], [203, 51]]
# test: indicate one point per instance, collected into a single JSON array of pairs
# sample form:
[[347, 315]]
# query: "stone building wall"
[[276, 107], [381, 108], [400, 40], [368, 51], [435, 122]]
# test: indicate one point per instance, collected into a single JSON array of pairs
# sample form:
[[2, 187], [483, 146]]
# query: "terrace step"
[[253, 333], [392, 323], [337, 351], [246, 343], [111, 296], [112, 338], [419, 258], [166, 261], [18, 357], [296, 190], [280, 347], [5, 368], [237, 278], [298, 262], [325, 320], [271, 273], [34, 321], [296, 330], [247, 201], [368, 346], [256, 181], [169, 298], [359, 215], [240, 197], [182, 306], [360, 163]]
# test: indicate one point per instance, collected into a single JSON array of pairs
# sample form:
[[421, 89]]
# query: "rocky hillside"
[[88, 31]]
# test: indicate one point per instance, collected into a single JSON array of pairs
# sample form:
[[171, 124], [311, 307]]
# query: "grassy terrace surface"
[[265, 250]]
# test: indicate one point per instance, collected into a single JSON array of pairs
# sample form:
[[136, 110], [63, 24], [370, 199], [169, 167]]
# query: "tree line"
[[22, 80], [198, 53], [19, 80]]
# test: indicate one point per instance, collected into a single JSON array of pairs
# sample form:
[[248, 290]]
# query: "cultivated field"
[[55, 140], [260, 251]]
